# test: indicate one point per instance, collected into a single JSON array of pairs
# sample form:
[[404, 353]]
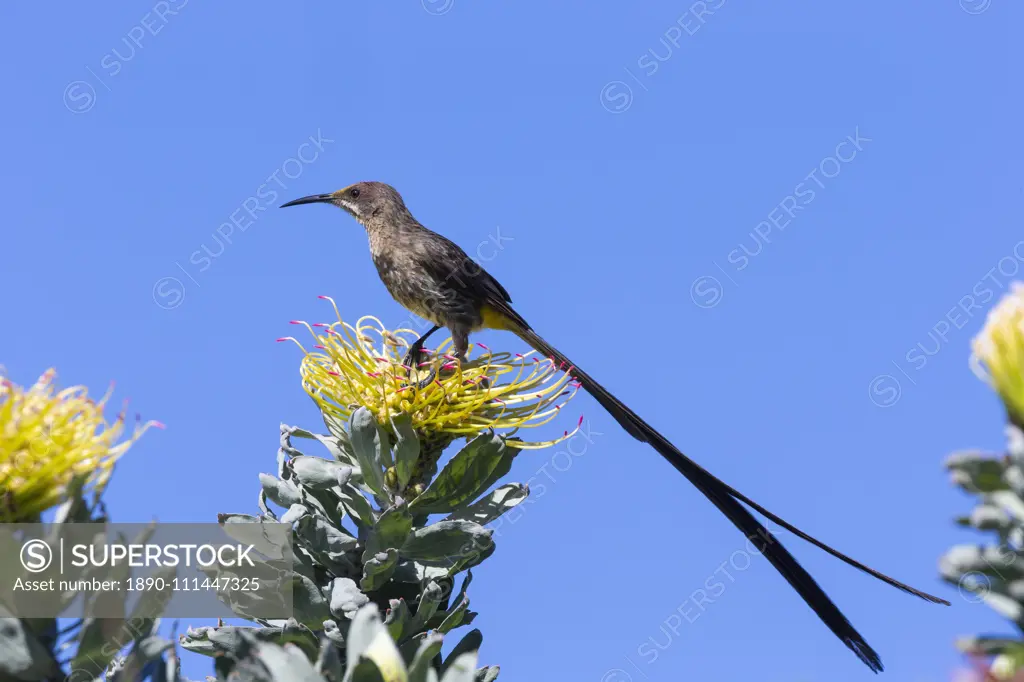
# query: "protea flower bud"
[[391, 477]]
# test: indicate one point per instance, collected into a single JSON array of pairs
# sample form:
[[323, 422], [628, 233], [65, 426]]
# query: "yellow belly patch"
[[492, 319]]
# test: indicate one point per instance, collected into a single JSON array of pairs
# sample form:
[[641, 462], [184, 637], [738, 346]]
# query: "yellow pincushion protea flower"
[[49, 437], [362, 366], [998, 356]]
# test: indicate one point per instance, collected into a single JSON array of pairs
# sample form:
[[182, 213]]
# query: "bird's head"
[[364, 201]]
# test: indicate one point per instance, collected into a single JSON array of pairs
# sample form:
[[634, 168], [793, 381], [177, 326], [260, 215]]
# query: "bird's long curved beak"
[[311, 199]]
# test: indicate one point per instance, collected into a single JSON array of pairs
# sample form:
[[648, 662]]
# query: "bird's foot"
[[416, 359], [423, 383], [415, 356]]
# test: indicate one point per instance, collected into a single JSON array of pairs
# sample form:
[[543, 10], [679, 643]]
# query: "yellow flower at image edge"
[[998, 356], [361, 366], [47, 438]]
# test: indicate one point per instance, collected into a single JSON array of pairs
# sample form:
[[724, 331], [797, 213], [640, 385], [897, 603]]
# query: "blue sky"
[[758, 226]]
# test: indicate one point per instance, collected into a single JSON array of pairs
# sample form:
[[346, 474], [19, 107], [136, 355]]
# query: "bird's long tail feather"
[[727, 499]]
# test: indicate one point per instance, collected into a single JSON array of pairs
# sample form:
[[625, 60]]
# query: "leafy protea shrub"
[[994, 573], [381, 529], [58, 451]]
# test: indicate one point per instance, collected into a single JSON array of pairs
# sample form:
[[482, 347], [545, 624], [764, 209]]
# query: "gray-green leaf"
[[466, 476], [463, 669], [390, 531], [308, 604], [363, 630], [455, 617], [445, 542], [282, 493], [346, 598], [488, 673], [430, 599], [339, 447], [286, 663], [356, 505], [407, 448], [321, 538], [317, 473], [468, 644], [429, 647], [378, 569], [977, 471], [367, 443], [492, 506], [397, 618]]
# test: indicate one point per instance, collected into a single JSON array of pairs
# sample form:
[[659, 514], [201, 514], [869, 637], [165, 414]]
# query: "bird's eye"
[[354, 193]]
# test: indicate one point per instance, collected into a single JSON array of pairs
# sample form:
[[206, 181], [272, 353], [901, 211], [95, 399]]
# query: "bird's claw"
[[413, 360], [422, 384]]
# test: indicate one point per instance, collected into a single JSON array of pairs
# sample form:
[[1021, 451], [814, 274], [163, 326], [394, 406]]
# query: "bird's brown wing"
[[447, 262]]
